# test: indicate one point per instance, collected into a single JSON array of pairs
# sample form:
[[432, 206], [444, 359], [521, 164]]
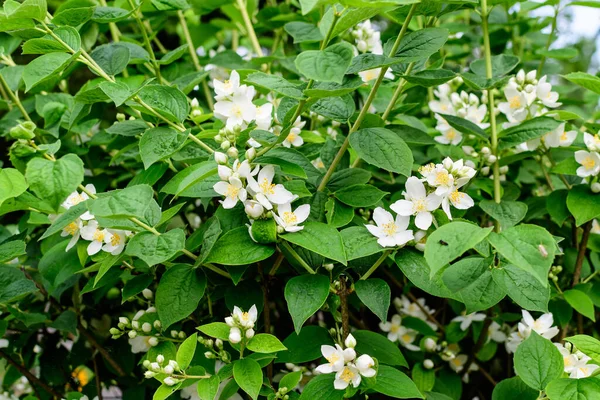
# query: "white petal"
[[423, 220]]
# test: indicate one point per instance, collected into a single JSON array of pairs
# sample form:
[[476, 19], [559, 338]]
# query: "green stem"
[[297, 257], [376, 265], [549, 42], [14, 98], [365, 109], [589, 278], [250, 28], [138, 20], [397, 92]]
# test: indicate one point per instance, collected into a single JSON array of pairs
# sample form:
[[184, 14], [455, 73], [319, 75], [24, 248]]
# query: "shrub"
[[297, 200]]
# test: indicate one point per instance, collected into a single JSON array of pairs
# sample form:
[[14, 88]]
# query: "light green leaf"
[[11, 249], [236, 247], [502, 64], [189, 177], [522, 288], [275, 83], [305, 295], [430, 77], [421, 44], [574, 389], [185, 352], [588, 345], [327, 65], [395, 384], [44, 68], [508, 213], [581, 302], [583, 204], [248, 375], [303, 32], [159, 143], [135, 201], [528, 130], [585, 80], [376, 295], [338, 108], [265, 343], [359, 242], [170, 102], [218, 330], [321, 387], [383, 148], [379, 347], [12, 184], [321, 238], [513, 388], [329, 89], [155, 249], [538, 361], [208, 388]]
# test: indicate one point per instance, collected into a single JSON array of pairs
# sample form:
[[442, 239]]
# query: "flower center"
[[77, 199], [98, 236], [267, 187], [406, 338], [563, 137], [291, 137], [456, 196], [115, 239], [232, 191], [245, 316], [390, 228], [419, 205], [567, 361], [456, 362], [347, 375], [289, 218], [236, 111], [333, 358], [71, 228], [515, 102], [394, 328], [451, 134], [426, 169], [588, 162], [442, 178]]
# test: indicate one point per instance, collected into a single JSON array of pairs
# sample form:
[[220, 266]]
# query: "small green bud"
[[264, 231], [23, 131]]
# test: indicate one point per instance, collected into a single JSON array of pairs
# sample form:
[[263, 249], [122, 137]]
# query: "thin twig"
[[30, 377], [478, 345], [581, 254], [105, 354]]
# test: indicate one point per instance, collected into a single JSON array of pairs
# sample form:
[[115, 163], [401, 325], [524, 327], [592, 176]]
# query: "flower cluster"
[[543, 326], [576, 362], [169, 368], [348, 369], [590, 159], [368, 40], [143, 330], [241, 324], [463, 105], [86, 227]]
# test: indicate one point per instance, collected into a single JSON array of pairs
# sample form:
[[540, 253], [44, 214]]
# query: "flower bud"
[[23, 131], [149, 374], [169, 381], [250, 153], [485, 150], [157, 324], [168, 370], [328, 267], [114, 331], [225, 145], [146, 327], [232, 152], [124, 321], [182, 335], [428, 364], [250, 333], [153, 341], [120, 117], [195, 103], [155, 367], [160, 359], [430, 344], [174, 364], [596, 187], [132, 334], [253, 209], [146, 364], [209, 343], [209, 355], [350, 341], [135, 324], [492, 159], [220, 158], [174, 334], [147, 293], [219, 343]]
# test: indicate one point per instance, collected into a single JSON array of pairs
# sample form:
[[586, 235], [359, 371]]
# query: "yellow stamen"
[[406, 338], [289, 218], [451, 134], [98, 236], [115, 239], [267, 187], [515, 102], [232, 191], [347, 375], [333, 358], [72, 228], [456, 196], [442, 178], [390, 228], [419, 206], [588, 162]]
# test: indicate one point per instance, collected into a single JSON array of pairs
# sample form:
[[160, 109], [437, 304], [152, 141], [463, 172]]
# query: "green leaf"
[[74, 12], [528, 130], [412, 135], [423, 378], [559, 54], [104, 15], [13, 283], [276, 84], [248, 375], [58, 268], [219, 330], [53, 181], [584, 80], [305, 346], [416, 269], [265, 343], [170, 102], [395, 384], [112, 58], [128, 128], [430, 77], [321, 238], [379, 347], [502, 64], [573, 389], [581, 302], [513, 388], [12, 184], [36, 9], [165, 391], [528, 247], [522, 288], [583, 204], [155, 249], [465, 126], [339, 108], [538, 361], [236, 247], [291, 380], [179, 292], [185, 180], [359, 242], [329, 89], [305, 295], [451, 241], [421, 44], [159, 143], [367, 61], [479, 82], [208, 388], [10, 250], [508, 213], [321, 387], [303, 32], [360, 195], [383, 148], [118, 92], [135, 201], [338, 214], [185, 352], [376, 295], [327, 65], [556, 204], [44, 68], [290, 161], [588, 345]]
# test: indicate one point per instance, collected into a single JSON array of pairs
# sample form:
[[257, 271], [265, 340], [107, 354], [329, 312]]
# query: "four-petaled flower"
[[389, 231], [417, 202]]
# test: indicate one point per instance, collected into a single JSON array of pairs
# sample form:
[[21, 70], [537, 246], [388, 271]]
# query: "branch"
[[581, 254], [105, 354], [30, 377], [480, 342]]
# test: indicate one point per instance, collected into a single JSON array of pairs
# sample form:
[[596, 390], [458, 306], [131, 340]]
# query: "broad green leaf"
[[538, 361], [74, 12], [463, 273], [53, 181], [367, 61], [423, 378], [208, 388], [128, 128], [583, 204], [170, 102], [574, 389], [395, 384], [112, 58], [379, 347], [185, 352], [508, 213], [44, 68], [581, 302], [265, 343], [118, 92], [135, 201], [236, 247], [588, 345], [585, 80], [327, 65], [556, 204], [305, 295], [11, 249], [179, 291], [36, 9], [528, 247], [430, 77], [338, 214], [338, 108], [451, 241], [559, 54], [329, 89], [290, 161], [276, 84], [304, 346], [383, 148], [513, 388], [348, 177], [303, 32], [321, 387], [465, 126], [13, 283], [421, 44], [522, 288], [502, 64], [376, 295], [159, 143], [189, 177], [291, 380], [155, 249], [416, 269], [479, 82], [104, 15], [528, 130], [412, 135], [248, 375], [321, 238], [58, 268], [12, 184], [360, 195], [219, 330], [359, 242]]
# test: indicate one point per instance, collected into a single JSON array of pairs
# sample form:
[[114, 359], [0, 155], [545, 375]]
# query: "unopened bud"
[[232, 152], [114, 331], [148, 294], [209, 355], [132, 334], [350, 341], [169, 381], [157, 324], [430, 344], [160, 359], [250, 153], [250, 333], [428, 364], [168, 370], [135, 324], [146, 327], [220, 158], [153, 341], [225, 145], [596, 187], [23, 131], [149, 374]]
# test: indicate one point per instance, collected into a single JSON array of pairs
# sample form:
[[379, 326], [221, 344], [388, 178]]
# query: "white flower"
[[459, 200], [266, 192], [467, 320], [369, 74], [592, 141], [390, 232], [237, 112], [441, 179], [293, 139], [406, 337], [72, 229], [289, 220], [449, 135], [343, 378], [559, 138], [545, 94], [365, 364], [595, 227], [542, 326], [232, 190], [458, 363], [590, 163], [245, 319], [516, 106], [253, 209], [407, 307], [227, 88], [461, 172], [235, 335], [582, 370], [3, 343], [239, 170], [95, 235], [115, 241], [140, 344], [350, 341], [335, 359], [418, 203], [264, 116], [495, 333], [442, 106], [392, 327], [76, 198], [420, 240]]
